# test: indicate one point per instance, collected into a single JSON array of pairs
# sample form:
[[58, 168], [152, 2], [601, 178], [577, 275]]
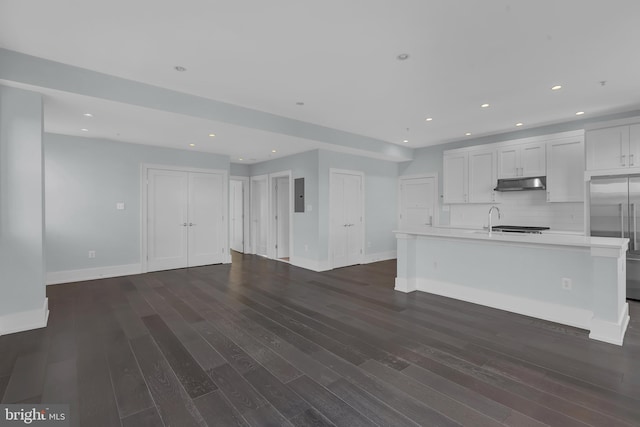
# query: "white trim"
[[68, 276], [572, 316], [25, 320], [611, 332], [435, 221], [332, 172], [246, 211], [309, 264], [405, 285], [144, 173], [379, 256]]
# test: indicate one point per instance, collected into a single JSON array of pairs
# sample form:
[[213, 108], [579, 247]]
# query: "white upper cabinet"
[[609, 148], [565, 170], [455, 173], [482, 176], [469, 175], [522, 160]]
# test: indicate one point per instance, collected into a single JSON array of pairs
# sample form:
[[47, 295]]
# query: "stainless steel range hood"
[[522, 184]]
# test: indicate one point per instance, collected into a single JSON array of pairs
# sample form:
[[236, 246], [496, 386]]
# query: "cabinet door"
[[565, 171], [455, 177], [482, 176], [509, 162], [608, 148], [634, 145], [533, 159]]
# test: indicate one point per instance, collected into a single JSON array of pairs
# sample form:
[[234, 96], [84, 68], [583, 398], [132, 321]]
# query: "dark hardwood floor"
[[262, 343]]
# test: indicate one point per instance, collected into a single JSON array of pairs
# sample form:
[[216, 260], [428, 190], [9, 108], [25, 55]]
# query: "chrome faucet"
[[490, 211]]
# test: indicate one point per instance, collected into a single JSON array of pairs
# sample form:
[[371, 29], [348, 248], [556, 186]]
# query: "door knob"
[[191, 224], [184, 224]]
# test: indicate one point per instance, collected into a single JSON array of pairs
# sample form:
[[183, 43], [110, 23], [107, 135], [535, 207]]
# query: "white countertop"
[[553, 239]]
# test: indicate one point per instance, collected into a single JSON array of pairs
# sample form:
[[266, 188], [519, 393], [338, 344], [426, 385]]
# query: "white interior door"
[[282, 217], [347, 227], [236, 200], [206, 219], [417, 203], [167, 219], [260, 212]]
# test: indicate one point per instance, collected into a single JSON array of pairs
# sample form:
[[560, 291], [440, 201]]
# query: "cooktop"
[[518, 229]]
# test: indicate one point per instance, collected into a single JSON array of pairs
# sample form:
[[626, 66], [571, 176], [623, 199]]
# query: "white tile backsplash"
[[521, 208]]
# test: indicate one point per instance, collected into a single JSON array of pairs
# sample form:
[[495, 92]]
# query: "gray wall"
[[21, 202], [381, 183], [84, 179], [305, 224], [238, 169]]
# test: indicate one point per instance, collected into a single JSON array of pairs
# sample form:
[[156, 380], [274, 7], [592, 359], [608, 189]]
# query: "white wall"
[[22, 289], [84, 179]]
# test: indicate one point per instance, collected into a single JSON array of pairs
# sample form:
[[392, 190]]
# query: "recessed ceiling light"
[[241, 159], [428, 119], [403, 57], [273, 151], [192, 145], [300, 103], [212, 135], [468, 134], [556, 87], [518, 124], [405, 141], [180, 68], [88, 115], [84, 130], [484, 105], [579, 113]]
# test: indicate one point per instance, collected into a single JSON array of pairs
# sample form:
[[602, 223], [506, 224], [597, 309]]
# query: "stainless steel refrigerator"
[[615, 211]]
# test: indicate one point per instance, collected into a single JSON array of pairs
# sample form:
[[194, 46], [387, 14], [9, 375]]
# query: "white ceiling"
[[339, 58]]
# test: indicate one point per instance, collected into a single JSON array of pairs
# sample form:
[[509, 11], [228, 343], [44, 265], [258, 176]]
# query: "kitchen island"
[[570, 279]]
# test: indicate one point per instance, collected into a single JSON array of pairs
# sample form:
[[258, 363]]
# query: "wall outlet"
[[566, 284], [120, 206], [368, 244], [306, 248], [435, 265], [92, 254]]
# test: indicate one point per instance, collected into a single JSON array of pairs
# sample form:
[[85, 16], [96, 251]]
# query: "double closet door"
[[185, 219]]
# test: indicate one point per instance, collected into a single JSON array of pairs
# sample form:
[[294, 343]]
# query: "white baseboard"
[[309, 264], [25, 320], [577, 317], [380, 256], [611, 332], [405, 285], [68, 276]]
